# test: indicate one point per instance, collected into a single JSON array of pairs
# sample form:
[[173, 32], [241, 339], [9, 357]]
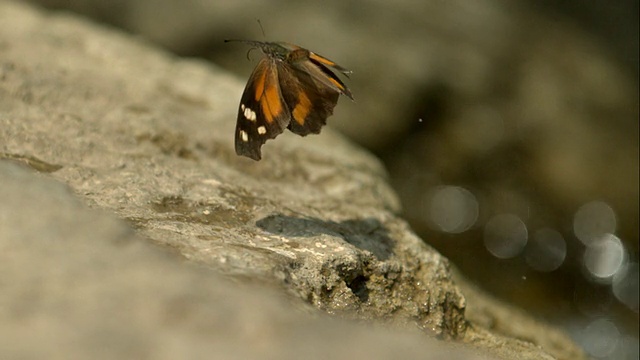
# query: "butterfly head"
[[274, 50]]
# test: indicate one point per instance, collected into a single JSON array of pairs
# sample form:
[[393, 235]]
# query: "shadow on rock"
[[367, 234]]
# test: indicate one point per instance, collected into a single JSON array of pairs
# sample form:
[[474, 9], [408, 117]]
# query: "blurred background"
[[509, 129]]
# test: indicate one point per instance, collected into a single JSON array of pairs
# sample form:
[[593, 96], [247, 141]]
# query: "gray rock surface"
[[79, 284], [148, 137]]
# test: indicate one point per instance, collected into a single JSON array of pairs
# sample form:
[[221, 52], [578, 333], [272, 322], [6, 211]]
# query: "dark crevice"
[[359, 288]]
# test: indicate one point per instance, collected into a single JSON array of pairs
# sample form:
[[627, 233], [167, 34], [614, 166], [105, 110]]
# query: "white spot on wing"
[[262, 130], [244, 136], [248, 113]]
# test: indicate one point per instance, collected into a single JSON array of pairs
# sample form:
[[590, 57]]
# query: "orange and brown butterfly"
[[291, 87]]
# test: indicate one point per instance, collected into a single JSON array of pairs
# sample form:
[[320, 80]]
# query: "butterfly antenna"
[[261, 28]]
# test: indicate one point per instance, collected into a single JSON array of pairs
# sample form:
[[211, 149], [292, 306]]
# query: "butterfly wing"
[[263, 112], [310, 90], [309, 101], [322, 62]]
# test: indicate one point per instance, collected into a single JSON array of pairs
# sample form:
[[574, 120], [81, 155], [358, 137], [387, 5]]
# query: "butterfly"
[[291, 87]]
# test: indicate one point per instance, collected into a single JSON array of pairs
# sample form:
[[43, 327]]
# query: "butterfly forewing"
[[323, 60], [263, 112], [323, 74]]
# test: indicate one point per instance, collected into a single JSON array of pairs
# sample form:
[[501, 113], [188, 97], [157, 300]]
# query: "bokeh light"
[[604, 257], [505, 236], [451, 209], [625, 285], [593, 220], [546, 251], [600, 338]]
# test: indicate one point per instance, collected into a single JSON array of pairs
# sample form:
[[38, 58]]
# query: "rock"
[[147, 137], [79, 284]]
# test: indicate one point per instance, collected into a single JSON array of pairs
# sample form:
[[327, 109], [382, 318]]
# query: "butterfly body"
[[291, 87]]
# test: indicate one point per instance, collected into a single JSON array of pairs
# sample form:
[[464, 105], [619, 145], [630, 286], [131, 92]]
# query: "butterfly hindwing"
[[263, 112], [309, 101], [311, 90]]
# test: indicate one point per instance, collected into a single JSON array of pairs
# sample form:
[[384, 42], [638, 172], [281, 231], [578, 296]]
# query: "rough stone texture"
[[148, 137], [78, 284]]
